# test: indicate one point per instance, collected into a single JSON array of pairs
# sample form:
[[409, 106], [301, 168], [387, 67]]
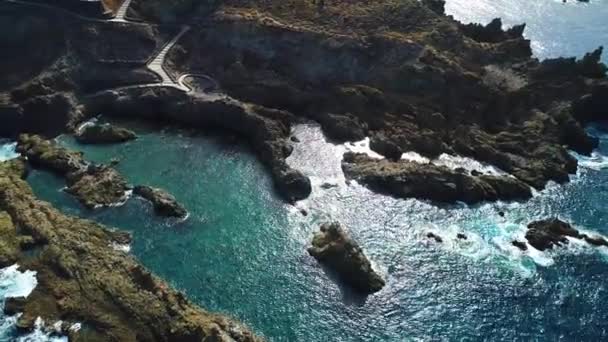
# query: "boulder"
[[545, 234], [103, 134], [164, 203], [333, 247]]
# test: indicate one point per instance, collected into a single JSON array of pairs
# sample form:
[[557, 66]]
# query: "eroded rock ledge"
[[406, 179], [93, 185], [545, 234], [82, 278], [333, 247], [103, 134]]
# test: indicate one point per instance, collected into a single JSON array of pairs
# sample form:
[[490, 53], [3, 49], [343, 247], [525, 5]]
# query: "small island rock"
[[164, 203], [333, 247], [103, 134]]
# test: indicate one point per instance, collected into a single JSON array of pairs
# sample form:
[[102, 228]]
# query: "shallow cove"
[[243, 251]]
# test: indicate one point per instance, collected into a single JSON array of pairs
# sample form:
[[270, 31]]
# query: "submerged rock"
[[103, 134], [520, 245], [333, 247], [164, 203], [434, 237], [407, 179]]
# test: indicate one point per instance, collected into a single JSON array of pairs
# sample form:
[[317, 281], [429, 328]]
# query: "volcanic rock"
[[333, 247], [103, 134], [164, 203]]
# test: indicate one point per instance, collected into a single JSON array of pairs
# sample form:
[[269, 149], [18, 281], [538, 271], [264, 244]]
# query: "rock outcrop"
[[406, 179], [332, 247], [164, 203], [546, 234], [103, 134], [93, 185], [82, 278]]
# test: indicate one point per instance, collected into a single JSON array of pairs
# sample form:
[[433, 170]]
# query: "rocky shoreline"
[[82, 278], [403, 74]]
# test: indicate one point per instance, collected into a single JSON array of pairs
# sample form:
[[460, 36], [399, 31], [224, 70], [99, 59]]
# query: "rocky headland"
[[407, 179], [93, 185], [333, 247], [82, 278]]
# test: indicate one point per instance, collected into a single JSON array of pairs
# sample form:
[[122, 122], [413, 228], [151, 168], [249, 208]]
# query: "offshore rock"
[[97, 185], [406, 179], [545, 234], [93, 185], [82, 278], [103, 134], [333, 247], [164, 203]]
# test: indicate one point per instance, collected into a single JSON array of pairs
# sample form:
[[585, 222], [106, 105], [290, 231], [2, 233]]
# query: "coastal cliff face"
[[83, 278], [400, 72]]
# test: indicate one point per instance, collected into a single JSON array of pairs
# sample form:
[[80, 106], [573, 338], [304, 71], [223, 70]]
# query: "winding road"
[[156, 64]]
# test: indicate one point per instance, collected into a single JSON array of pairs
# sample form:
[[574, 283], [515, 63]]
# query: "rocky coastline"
[[401, 73], [83, 279], [93, 185]]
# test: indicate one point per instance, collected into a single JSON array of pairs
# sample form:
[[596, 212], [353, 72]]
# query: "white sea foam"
[[40, 334], [85, 124], [125, 248], [362, 147], [596, 161], [7, 150], [14, 283]]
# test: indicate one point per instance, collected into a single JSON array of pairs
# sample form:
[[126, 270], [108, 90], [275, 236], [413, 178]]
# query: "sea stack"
[[333, 247]]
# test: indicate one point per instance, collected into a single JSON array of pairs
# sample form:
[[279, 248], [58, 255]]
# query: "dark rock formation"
[[434, 237], [461, 236], [164, 203], [13, 306], [547, 233], [333, 247], [103, 134], [93, 185], [82, 278], [520, 245], [492, 32], [407, 179]]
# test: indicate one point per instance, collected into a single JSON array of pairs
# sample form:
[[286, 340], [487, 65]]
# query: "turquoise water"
[[555, 28], [243, 252]]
